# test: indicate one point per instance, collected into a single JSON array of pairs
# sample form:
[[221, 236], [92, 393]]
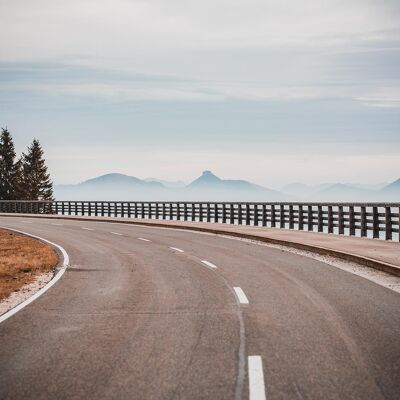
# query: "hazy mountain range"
[[209, 187]]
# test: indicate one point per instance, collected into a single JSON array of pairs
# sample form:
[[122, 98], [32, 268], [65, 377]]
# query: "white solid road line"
[[209, 264], [45, 288], [116, 233], [256, 379], [144, 240], [87, 229], [241, 296], [176, 249]]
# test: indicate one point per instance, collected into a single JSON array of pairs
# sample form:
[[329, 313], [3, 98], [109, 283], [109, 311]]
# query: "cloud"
[[213, 50], [213, 73], [120, 29]]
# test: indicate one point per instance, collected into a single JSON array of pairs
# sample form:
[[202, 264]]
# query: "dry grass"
[[21, 259]]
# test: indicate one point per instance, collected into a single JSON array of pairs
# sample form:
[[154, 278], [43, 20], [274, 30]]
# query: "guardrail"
[[375, 220]]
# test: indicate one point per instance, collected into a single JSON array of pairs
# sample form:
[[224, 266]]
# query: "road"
[[151, 313]]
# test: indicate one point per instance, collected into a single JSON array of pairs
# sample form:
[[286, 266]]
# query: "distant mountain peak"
[[115, 178], [209, 175], [393, 187], [206, 178]]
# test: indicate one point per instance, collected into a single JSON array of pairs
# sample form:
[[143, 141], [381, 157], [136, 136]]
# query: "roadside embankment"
[[22, 261]]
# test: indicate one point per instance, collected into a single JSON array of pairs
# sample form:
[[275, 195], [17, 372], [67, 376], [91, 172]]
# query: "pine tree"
[[36, 182], [19, 188], [7, 166]]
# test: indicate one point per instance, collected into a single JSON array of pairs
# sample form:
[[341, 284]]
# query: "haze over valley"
[[209, 187]]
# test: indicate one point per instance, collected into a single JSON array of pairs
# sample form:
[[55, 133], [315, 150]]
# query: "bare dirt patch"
[[22, 260]]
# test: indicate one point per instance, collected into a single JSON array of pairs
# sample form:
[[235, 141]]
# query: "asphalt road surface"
[[151, 313]]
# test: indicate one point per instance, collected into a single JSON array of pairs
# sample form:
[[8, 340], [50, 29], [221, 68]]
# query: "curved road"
[[136, 319]]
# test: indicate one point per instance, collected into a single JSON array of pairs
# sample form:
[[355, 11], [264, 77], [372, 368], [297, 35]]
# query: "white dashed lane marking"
[[144, 240], [116, 233], [208, 264], [176, 249], [241, 296], [256, 378]]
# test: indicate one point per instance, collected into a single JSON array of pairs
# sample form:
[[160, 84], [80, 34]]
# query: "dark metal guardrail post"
[[157, 216], [185, 212], [300, 218], [375, 223], [341, 221], [240, 215], [192, 212], [320, 220], [223, 213], [142, 215], [232, 214], [247, 214], [200, 212], [164, 212], [264, 215], [352, 224], [310, 221], [282, 216], [291, 217], [255, 214], [273, 217], [363, 217], [330, 219], [135, 210], [388, 223]]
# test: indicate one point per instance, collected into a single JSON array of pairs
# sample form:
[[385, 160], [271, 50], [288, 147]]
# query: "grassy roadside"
[[21, 259]]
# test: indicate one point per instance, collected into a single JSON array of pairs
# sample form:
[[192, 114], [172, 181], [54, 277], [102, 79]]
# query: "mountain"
[[372, 186], [302, 191], [341, 192], [109, 187], [209, 179], [393, 187], [351, 192], [208, 187], [119, 179], [168, 184]]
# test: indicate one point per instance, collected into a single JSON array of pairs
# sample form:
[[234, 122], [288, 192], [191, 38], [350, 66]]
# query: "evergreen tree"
[[7, 166], [19, 188], [36, 182]]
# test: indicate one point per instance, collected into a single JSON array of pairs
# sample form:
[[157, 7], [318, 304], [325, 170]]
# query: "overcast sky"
[[264, 90]]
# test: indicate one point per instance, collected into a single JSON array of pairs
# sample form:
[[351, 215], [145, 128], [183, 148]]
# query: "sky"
[[271, 91]]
